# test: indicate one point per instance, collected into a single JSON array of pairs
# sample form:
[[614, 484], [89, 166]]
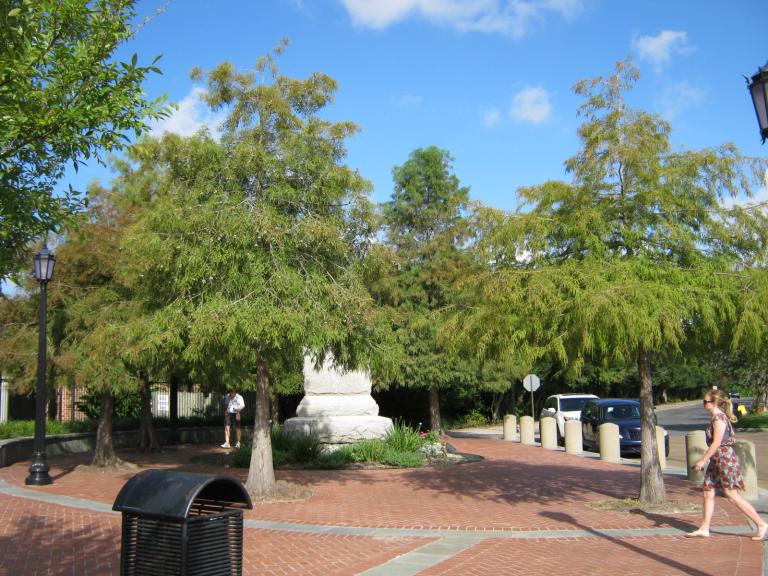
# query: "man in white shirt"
[[234, 404]]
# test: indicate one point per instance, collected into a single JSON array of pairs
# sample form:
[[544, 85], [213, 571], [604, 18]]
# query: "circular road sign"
[[531, 383]]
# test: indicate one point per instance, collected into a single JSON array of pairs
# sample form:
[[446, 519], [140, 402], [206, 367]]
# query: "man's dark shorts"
[[231, 420]]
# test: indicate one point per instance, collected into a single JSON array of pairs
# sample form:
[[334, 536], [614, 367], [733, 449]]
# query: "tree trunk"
[[651, 478], [274, 408], [261, 475], [435, 423], [147, 437], [104, 453], [497, 400]]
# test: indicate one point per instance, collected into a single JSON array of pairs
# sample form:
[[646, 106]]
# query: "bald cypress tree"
[[251, 252], [637, 254]]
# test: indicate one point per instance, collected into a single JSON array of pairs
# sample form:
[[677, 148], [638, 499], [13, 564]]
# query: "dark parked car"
[[734, 395], [625, 414]]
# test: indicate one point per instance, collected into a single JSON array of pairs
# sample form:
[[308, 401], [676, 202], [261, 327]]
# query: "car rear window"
[[622, 411], [572, 404]]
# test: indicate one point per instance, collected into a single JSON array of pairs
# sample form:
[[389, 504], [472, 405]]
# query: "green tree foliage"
[[96, 313], [249, 257], [18, 341], [634, 257], [426, 227], [62, 100]]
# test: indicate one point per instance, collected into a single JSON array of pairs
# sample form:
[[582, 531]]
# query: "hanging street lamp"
[[758, 88]]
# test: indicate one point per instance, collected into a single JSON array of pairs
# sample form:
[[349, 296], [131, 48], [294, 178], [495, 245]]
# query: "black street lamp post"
[[758, 88], [38, 470]]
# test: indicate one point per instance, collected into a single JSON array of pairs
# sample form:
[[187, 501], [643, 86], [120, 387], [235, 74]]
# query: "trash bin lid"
[[169, 494]]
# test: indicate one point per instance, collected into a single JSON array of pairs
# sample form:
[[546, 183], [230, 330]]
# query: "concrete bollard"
[[573, 440], [510, 427], [695, 446], [548, 432], [526, 430], [610, 450], [745, 452]]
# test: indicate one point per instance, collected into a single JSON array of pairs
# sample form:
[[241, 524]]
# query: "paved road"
[[679, 419]]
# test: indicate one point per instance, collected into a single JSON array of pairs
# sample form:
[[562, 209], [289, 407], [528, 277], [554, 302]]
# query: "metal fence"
[[63, 404]]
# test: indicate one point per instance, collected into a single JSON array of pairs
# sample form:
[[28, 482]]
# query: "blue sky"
[[488, 80]]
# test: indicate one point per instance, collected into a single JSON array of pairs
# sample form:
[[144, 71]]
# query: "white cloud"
[[658, 50], [512, 17], [491, 117], [407, 100], [531, 105], [678, 97], [190, 117]]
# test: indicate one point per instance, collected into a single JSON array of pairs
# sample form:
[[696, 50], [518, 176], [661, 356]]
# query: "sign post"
[[531, 383]]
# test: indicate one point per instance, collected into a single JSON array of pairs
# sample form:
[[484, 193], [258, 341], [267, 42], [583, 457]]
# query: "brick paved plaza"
[[521, 510]]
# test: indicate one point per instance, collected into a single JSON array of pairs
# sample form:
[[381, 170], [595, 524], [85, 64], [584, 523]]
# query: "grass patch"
[[22, 428], [753, 421], [635, 506]]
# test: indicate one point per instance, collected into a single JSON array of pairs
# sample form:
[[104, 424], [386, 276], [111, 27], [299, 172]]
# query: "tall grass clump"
[[403, 438], [368, 451]]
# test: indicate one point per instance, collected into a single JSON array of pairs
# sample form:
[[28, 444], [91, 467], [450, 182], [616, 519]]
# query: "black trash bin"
[[181, 524]]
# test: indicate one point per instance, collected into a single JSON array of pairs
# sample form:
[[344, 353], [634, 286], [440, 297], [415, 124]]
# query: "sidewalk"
[[521, 510]]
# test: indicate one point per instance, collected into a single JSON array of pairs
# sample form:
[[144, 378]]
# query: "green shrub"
[[22, 428], [474, 418], [305, 447], [127, 404], [332, 460], [403, 447], [241, 457], [279, 438]]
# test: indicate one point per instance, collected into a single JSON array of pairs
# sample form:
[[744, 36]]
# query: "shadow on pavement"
[[34, 543], [514, 481], [568, 519]]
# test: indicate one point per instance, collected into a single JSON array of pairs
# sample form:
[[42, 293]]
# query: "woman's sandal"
[[760, 533], [700, 534]]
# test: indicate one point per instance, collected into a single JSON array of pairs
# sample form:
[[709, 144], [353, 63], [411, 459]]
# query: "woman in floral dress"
[[724, 471]]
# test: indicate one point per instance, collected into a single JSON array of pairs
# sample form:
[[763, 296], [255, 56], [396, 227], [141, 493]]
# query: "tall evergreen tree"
[[425, 225]]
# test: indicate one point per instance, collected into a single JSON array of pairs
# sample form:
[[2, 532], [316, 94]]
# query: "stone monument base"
[[336, 430]]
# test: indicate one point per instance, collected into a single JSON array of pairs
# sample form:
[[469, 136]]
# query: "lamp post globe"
[[44, 262], [758, 89]]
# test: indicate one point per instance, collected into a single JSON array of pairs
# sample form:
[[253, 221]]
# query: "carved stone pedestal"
[[338, 407]]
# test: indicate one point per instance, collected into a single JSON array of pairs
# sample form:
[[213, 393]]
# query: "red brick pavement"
[[40, 539], [606, 557], [515, 488]]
